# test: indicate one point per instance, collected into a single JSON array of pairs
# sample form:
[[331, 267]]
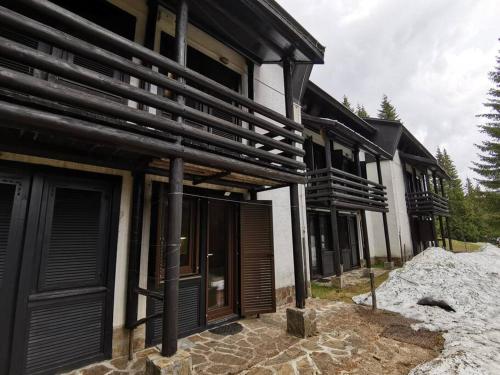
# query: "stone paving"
[[352, 340]]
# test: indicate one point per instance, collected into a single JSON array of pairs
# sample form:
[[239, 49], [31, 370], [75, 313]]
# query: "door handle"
[[209, 255]]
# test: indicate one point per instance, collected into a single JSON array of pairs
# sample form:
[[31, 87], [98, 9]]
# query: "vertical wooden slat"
[[257, 258]]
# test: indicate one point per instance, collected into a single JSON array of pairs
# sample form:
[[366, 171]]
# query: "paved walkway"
[[352, 340]]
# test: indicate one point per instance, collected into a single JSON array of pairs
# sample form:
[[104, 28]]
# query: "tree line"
[[474, 205]]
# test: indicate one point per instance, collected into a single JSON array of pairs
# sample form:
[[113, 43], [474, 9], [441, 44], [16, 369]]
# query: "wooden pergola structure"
[[265, 152]]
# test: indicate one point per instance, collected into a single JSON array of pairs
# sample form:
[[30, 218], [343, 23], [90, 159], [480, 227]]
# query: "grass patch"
[[461, 247], [346, 294]]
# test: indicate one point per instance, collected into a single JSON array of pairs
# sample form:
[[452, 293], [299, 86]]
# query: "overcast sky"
[[431, 57]]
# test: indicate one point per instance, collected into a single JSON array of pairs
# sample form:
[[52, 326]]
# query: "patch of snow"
[[470, 284]]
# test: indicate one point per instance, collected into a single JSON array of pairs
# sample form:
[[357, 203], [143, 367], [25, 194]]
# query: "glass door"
[[220, 259]]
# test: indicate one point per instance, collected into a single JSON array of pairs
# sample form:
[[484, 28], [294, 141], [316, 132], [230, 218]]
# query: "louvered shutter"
[[257, 258], [13, 199], [67, 320]]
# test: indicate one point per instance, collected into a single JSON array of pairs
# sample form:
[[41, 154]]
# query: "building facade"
[[418, 206], [151, 173], [167, 167], [340, 194]]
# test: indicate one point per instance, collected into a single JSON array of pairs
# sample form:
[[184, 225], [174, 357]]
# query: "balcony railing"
[[426, 203], [128, 113], [344, 190]]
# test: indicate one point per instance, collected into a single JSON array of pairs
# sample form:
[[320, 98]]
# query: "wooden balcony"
[[344, 190], [427, 203], [48, 93]]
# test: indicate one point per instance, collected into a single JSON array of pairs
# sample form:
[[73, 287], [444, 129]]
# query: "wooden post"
[[172, 258], [384, 214], [134, 252], [441, 227], [174, 218], [433, 218], [334, 227], [447, 218], [366, 246], [298, 259]]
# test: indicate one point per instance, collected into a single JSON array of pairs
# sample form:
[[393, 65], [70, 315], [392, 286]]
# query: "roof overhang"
[[428, 163], [318, 102], [337, 129], [261, 30]]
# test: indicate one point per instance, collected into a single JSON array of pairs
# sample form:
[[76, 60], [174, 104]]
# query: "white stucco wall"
[[269, 90], [397, 217]]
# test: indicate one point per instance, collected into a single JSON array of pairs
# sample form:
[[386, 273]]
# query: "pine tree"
[[456, 196], [488, 166], [387, 110], [347, 104], [361, 111]]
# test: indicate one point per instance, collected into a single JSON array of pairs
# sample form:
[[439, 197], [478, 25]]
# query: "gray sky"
[[431, 57]]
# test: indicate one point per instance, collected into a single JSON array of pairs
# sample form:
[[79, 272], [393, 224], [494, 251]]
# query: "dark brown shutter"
[[257, 258]]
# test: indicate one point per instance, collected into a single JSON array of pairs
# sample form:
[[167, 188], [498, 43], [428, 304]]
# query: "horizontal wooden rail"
[[427, 203], [33, 119], [340, 188], [97, 33], [275, 151]]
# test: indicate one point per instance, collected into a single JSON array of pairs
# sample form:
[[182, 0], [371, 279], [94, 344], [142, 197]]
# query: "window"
[[189, 261], [189, 256]]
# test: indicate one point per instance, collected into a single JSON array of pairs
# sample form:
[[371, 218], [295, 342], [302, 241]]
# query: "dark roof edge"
[[375, 119], [404, 130], [318, 90], [425, 161], [315, 47], [369, 145]]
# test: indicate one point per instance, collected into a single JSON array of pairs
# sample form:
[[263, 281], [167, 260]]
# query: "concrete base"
[[388, 265], [338, 281], [179, 364], [301, 322]]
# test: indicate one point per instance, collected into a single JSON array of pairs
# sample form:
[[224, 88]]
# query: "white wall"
[[397, 217], [269, 91]]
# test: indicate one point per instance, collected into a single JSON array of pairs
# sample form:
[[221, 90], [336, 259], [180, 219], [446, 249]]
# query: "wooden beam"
[[200, 180], [384, 214], [298, 260], [28, 118], [170, 326]]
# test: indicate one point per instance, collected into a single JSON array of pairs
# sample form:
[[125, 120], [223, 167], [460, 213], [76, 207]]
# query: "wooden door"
[[314, 248], [220, 259], [353, 240], [64, 306], [14, 189], [257, 258]]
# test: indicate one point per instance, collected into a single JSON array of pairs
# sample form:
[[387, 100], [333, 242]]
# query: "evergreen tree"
[[347, 104], [387, 110], [488, 166], [474, 220], [456, 196], [361, 111]]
